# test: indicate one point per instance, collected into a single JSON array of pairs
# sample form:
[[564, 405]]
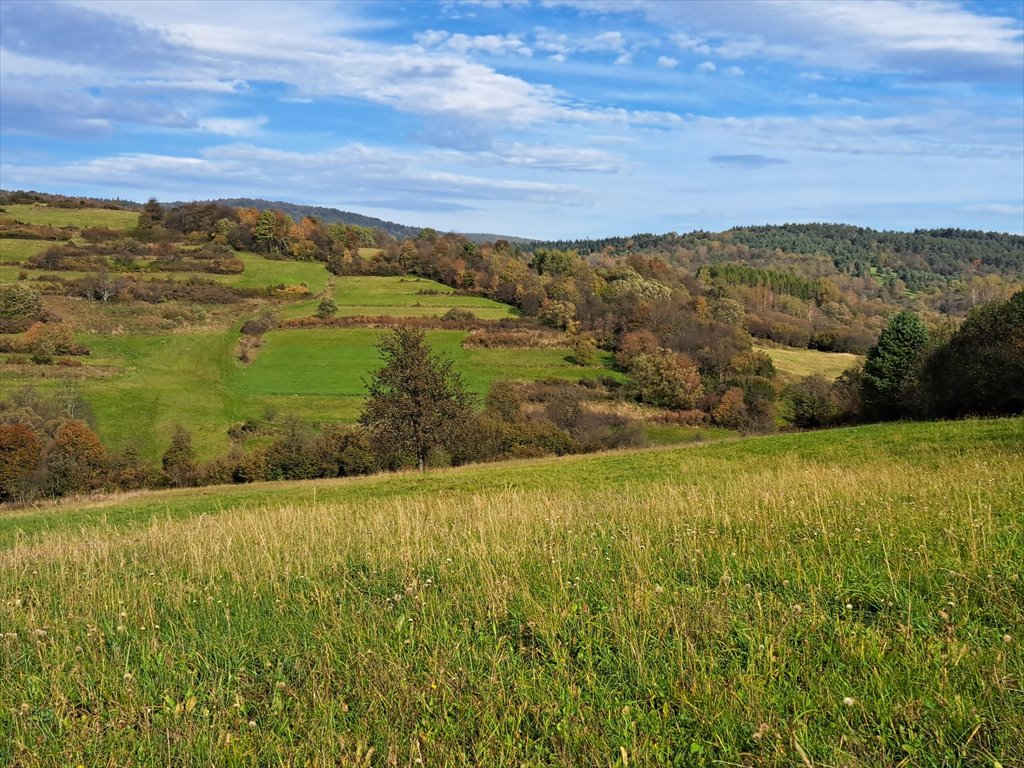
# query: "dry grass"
[[797, 363]]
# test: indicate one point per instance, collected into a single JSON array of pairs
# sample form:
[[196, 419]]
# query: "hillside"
[[843, 597], [918, 259]]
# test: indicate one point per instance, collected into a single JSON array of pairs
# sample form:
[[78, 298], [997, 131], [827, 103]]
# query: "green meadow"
[[141, 386], [14, 249], [72, 217], [401, 297], [851, 597]]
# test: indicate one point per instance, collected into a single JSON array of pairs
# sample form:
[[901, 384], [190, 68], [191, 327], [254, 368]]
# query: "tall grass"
[[767, 602]]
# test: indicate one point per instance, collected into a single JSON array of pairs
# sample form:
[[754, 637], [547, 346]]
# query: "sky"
[[535, 118]]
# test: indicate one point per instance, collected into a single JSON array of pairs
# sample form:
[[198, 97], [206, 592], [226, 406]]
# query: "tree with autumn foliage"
[[76, 461], [20, 452]]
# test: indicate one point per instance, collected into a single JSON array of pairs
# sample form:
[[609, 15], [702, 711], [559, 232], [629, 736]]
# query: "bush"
[[326, 308], [667, 379], [811, 402], [458, 315], [20, 306]]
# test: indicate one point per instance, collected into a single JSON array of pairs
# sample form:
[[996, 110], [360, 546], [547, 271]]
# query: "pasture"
[[793, 363], [72, 217], [851, 597], [146, 384], [16, 249], [401, 297]]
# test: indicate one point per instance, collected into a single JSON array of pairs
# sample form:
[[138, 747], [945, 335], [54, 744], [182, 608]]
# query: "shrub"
[[458, 315], [326, 308], [667, 379], [75, 461], [731, 411], [20, 306], [20, 452], [179, 460], [811, 402]]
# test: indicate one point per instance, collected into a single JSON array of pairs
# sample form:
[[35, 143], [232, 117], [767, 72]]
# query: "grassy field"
[[13, 249], [401, 297], [850, 597], [73, 217], [152, 383], [260, 272], [796, 363]]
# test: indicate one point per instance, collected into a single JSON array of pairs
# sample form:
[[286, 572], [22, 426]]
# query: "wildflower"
[[658, 589], [40, 633], [798, 608], [25, 708], [849, 606], [252, 723], [1007, 639], [280, 685], [848, 701], [943, 615]]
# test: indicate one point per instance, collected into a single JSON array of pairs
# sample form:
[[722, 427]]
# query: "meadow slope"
[[850, 597]]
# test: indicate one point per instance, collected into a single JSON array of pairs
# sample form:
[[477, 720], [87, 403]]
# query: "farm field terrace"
[[849, 597]]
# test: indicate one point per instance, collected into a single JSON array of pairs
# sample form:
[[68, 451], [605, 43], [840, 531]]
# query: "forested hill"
[[332, 215], [917, 257], [327, 215]]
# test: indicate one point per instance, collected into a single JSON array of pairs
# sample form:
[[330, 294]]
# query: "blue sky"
[[554, 118]]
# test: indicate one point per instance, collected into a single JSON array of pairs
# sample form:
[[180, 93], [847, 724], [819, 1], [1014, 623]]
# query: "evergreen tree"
[[179, 461], [891, 368], [416, 401]]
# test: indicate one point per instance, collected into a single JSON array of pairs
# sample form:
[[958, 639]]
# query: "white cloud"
[[358, 169], [734, 71], [624, 58], [923, 134], [233, 126], [667, 62], [321, 62], [606, 41], [707, 66], [689, 43], [499, 45], [942, 40], [999, 209]]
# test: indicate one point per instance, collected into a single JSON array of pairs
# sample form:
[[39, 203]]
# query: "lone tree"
[[417, 402], [891, 368]]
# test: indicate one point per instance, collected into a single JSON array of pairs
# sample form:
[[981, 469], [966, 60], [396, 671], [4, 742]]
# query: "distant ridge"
[[332, 215], [328, 215]]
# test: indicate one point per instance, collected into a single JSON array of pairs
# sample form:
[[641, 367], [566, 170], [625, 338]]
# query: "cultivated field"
[[850, 597]]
